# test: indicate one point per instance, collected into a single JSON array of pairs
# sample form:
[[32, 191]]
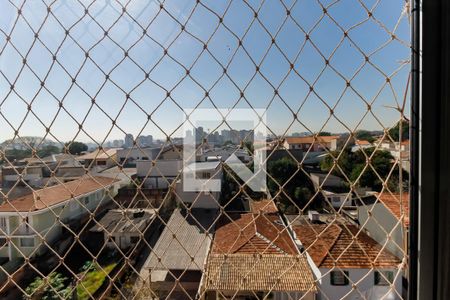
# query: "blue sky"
[[185, 49]]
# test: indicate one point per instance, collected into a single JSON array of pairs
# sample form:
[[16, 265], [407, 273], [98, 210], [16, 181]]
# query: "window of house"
[[339, 277], [384, 277], [134, 239], [2, 242], [101, 163], [27, 242], [3, 224]]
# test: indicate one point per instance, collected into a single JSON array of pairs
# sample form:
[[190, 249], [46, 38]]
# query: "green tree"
[[324, 133], [47, 150], [54, 288], [75, 148], [353, 165], [394, 132], [297, 187], [364, 135]]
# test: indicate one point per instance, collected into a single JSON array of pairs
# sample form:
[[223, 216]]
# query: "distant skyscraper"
[[129, 140]]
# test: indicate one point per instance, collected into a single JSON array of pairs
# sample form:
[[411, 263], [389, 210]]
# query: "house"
[[176, 264], [128, 157], [210, 173], [334, 189], [254, 255], [158, 174], [348, 264], [385, 217], [312, 143], [124, 228], [101, 158], [263, 206], [27, 218], [222, 154], [361, 144]]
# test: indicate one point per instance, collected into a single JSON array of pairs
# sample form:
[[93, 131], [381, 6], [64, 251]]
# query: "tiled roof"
[[185, 241], [264, 206], [43, 198], [252, 233], [397, 204], [99, 154], [244, 272], [362, 142], [311, 139], [336, 246]]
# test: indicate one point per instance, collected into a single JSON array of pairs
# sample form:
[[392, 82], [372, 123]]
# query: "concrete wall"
[[385, 222], [364, 280]]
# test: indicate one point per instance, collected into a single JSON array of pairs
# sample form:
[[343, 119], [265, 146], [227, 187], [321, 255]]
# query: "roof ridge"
[[333, 242]]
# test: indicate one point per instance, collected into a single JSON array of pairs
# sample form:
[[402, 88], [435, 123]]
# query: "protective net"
[[204, 149]]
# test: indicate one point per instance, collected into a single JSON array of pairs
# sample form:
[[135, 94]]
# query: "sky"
[[63, 104]]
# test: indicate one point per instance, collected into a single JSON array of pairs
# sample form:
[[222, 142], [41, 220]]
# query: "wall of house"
[[44, 223], [364, 280], [160, 175], [382, 221]]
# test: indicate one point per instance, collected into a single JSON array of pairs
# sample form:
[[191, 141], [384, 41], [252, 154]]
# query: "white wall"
[[169, 168], [364, 286]]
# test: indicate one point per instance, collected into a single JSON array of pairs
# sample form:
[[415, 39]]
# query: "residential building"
[[361, 144], [27, 218], [100, 159], [311, 143], [210, 173], [124, 228], [158, 174], [178, 258], [128, 141], [348, 264], [333, 189], [385, 217], [253, 254]]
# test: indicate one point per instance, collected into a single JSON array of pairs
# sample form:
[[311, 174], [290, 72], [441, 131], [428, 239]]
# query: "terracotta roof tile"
[[265, 206], [43, 198], [311, 139], [252, 233], [342, 249], [243, 272], [397, 204]]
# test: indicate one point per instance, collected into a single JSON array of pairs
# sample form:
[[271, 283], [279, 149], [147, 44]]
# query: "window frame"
[[345, 275]]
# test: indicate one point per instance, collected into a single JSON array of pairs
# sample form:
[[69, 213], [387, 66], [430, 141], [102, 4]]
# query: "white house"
[[158, 174], [386, 219], [24, 220], [348, 264], [208, 171]]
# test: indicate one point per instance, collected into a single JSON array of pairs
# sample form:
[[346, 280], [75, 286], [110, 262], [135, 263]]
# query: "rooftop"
[[397, 204], [43, 198], [311, 139], [334, 245], [252, 234], [185, 241], [264, 206], [99, 154], [202, 166], [258, 273], [124, 220]]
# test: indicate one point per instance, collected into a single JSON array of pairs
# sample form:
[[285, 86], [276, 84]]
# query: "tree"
[[365, 135], [47, 150], [324, 133], [54, 288], [394, 132], [297, 187], [75, 148], [354, 166]]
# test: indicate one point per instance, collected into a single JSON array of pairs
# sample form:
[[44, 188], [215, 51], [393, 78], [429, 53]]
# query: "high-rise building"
[[129, 141]]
